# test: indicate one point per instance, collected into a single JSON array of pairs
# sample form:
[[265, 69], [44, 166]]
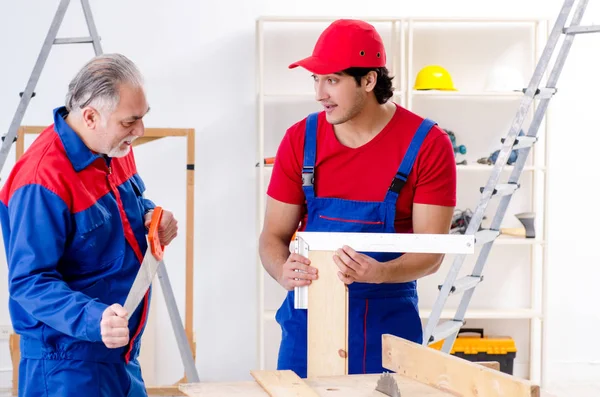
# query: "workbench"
[[331, 386], [419, 371], [335, 386]]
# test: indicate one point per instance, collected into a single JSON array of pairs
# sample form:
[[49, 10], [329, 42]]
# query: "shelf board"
[[465, 168], [323, 18], [414, 93], [468, 94], [489, 168], [512, 240], [497, 314], [500, 21], [304, 95]]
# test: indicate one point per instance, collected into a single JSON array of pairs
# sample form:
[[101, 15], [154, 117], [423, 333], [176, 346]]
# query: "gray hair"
[[97, 83]]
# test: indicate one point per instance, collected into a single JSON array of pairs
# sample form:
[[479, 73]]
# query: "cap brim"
[[317, 65]]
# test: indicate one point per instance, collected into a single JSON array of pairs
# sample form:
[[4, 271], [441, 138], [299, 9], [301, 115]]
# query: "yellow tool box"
[[483, 348]]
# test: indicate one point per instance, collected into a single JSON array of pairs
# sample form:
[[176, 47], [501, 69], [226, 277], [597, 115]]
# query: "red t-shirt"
[[365, 173]]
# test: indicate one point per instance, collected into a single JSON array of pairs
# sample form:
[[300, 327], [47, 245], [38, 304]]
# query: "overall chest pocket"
[[96, 243]]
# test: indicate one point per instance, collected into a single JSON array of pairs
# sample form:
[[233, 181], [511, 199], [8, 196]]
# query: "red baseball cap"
[[346, 43]]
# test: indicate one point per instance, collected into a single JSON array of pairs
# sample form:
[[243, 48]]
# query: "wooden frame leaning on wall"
[[151, 134]]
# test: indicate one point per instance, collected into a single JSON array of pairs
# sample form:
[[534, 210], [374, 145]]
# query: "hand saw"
[[150, 263]]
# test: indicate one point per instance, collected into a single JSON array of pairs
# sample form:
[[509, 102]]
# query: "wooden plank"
[[334, 386], [162, 132], [144, 139], [283, 384], [189, 240], [223, 389], [490, 364], [149, 132], [33, 129], [450, 373], [327, 319], [390, 242], [15, 355], [20, 144], [164, 391]]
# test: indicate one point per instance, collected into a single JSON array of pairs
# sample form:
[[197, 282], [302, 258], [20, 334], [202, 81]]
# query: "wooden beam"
[[151, 134], [33, 129], [327, 335], [334, 386], [15, 355], [164, 391], [189, 240], [283, 384], [148, 132], [144, 139], [20, 144], [489, 364], [450, 373]]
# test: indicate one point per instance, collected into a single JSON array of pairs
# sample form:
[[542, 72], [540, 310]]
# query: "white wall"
[[198, 59]]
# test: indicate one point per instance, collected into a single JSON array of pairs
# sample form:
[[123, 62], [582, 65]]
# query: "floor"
[[579, 390], [4, 393], [563, 391]]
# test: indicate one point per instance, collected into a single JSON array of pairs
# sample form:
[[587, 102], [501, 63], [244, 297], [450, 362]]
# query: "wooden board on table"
[[334, 386], [283, 384], [331, 386], [449, 373], [327, 338]]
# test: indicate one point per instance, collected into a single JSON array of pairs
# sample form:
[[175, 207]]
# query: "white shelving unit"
[[510, 301]]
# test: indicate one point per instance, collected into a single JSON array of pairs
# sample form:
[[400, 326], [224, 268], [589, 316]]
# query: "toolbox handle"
[[471, 330]]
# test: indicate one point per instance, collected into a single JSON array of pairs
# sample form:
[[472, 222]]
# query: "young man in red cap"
[[363, 164]]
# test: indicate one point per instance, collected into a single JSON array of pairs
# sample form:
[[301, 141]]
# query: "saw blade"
[[142, 282], [388, 385]]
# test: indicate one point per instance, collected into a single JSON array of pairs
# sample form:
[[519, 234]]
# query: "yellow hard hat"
[[434, 77]]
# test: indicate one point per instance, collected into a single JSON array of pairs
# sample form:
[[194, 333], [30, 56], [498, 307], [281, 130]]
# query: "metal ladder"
[[448, 330], [51, 39]]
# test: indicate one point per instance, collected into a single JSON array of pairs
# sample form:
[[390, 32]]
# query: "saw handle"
[[156, 248]]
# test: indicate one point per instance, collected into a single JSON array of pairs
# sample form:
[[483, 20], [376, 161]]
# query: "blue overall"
[[374, 309]]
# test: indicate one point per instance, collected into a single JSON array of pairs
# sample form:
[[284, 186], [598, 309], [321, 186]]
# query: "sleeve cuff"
[[93, 317], [148, 205]]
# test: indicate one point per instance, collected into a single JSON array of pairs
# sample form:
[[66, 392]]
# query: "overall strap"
[[408, 160], [310, 154]]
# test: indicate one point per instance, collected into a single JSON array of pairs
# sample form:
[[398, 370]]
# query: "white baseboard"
[[573, 372]]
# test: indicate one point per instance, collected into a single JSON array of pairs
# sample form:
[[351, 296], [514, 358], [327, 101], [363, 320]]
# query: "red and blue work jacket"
[[74, 235]]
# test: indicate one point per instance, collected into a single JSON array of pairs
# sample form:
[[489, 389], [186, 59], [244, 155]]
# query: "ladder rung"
[[485, 236], [582, 29], [446, 329], [503, 189], [464, 284], [74, 40], [543, 93], [4, 138], [522, 142]]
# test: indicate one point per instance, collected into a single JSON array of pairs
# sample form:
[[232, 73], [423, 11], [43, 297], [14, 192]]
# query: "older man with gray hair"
[[74, 220]]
